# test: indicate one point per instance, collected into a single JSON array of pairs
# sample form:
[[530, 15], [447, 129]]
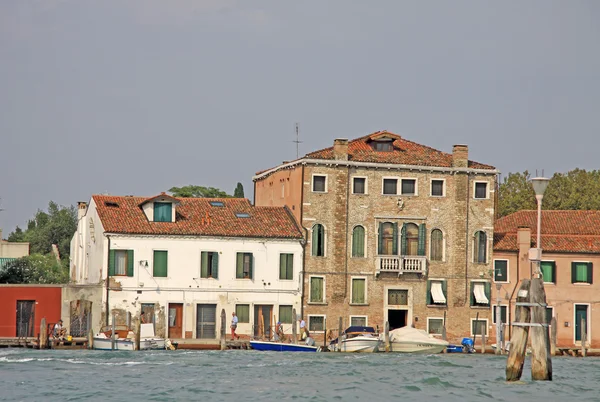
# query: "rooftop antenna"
[[297, 141]]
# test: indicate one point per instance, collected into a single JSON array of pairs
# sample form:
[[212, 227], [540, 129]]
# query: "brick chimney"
[[340, 149], [460, 156], [81, 209]]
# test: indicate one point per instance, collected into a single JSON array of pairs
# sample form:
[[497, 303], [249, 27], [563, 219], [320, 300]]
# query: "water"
[[249, 375]]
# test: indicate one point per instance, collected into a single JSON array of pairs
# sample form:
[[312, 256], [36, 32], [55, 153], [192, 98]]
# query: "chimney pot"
[[340, 149], [460, 156]]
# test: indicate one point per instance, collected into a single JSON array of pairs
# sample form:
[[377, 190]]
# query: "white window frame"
[[443, 187], [480, 319], [366, 317], [443, 245], [352, 237], [324, 240], [587, 323], [390, 178], [314, 316], [366, 185], [494, 306], [582, 283], [487, 189], [309, 289], [507, 270], [312, 182], [352, 278], [434, 318], [416, 193]]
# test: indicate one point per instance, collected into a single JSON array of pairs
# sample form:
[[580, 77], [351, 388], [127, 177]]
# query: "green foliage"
[[198, 192], [36, 268], [515, 193], [239, 191]]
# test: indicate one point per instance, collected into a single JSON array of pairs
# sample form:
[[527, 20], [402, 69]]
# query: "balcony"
[[402, 264]]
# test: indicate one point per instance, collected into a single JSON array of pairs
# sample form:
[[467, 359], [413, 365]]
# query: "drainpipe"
[[467, 242], [301, 224], [346, 234], [107, 280]]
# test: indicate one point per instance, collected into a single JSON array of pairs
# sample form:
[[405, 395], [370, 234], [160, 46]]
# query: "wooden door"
[[175, 320], [206, 321], [581, 312], [25, 317]]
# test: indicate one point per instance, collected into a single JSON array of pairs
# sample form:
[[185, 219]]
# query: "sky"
[[133, 97]]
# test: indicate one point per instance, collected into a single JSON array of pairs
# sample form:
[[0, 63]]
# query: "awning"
[[479, 292], [437, 293]]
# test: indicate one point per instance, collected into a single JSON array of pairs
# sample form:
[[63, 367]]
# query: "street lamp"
[[539, 187]]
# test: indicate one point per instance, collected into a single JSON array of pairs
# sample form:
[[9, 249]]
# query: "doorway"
[[581, 312], [175, 320], [397, 318], [25, 317], [262, 321], [206, 321]]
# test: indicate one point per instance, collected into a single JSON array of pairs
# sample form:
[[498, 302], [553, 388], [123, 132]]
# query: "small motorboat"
[[148, 341], [357, 339], [124, 338], [283, 347], [412, 340]]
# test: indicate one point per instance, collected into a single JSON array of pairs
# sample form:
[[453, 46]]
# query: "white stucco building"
[[180, 261]]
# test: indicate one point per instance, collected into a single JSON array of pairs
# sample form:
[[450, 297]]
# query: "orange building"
[[571, 254]]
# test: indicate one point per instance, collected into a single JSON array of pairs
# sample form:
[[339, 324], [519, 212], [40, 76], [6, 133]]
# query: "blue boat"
[[282, 347]]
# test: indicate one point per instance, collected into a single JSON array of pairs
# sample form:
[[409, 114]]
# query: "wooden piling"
[[498, 330], [339, 337], [387, 336], [43, 334], [90, 339], [541, 363], [553, 337], [138, 332], [475, 330], [518, 341], [582, 325], [112, 334], [294, 327], [482, 342], [443, 328], [128, 318], [223, 329], [324, 333]]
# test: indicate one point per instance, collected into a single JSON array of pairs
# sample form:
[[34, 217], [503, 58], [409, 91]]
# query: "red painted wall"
[[48, 305]]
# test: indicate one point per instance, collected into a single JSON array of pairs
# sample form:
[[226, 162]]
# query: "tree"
[[239, 191], [192, 191], [17, 236], [35, 268], [515, 193]]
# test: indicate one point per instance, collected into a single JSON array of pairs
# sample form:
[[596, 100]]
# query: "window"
[[479, 327], [397, 297], [244, 266], [481, 190], [503, 314], [242, 215], [435, 326], [413, 239], [209, 264], [285, 314], [409, 187], [480, 250], [162, 211], [286, 266], [581, 272], [437, 291], [501, 271], [390, 186], [318, 241], [216, 203], [388, 238], [437, 188], [359, 291], [316, 322], [148, 312], [160, 264], [243, 312], [382, 146], [437, 245], [549, 314], [359, 185], [319, 184], [316, 289], [480, 294], [358, 320], [120, 263], [358, 241], [548, 269]]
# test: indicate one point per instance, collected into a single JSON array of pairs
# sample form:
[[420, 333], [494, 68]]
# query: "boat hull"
[[281, 347], [416, 347], [120, 344], [152, 344], [361, 344]]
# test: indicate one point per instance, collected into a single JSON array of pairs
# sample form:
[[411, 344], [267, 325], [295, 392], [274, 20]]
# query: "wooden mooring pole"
[[518, 341], [43, 334], [112, 334], [223, 329], [553, 336], [582, 325], [294, 329], [387, 336], [339, 337], [541, 363]]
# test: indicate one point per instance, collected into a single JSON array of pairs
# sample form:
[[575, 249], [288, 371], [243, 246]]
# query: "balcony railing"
[[402, 264]]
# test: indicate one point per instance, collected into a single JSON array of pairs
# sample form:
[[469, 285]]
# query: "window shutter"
[[239, 271], [380, 239], [573, 272], [488, 291], [590, 273], [129, 262], [421, 244], [429, 293], [404, 241], [554, 272], [471, 296], [251, 275], [395, 239], [204, 265], [215, 265], [445, 290], [282, 266], [111, 263]]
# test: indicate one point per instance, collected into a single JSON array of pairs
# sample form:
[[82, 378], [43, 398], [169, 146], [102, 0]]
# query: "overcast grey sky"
[[134, 97]]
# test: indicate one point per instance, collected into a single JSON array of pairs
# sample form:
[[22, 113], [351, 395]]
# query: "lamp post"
[[499, 323], [539, 187]]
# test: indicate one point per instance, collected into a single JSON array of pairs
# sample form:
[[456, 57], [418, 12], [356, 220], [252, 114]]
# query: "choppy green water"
[[250, 375]]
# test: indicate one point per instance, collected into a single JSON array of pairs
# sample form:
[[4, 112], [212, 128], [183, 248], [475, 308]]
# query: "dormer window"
[[163, 212], [382, 145]]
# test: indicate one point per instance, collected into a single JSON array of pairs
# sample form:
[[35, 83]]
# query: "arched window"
[[437, 245], [480, 247], [388, 233], [412, 239], [318, 240], [358, 242]]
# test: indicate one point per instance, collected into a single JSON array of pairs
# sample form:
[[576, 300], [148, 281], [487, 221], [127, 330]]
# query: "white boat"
[[412, 340], [357, 339], [148, 341], [125, 339]]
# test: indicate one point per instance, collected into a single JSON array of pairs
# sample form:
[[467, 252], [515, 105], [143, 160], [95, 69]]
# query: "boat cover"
[[409, 334], [359, 328]]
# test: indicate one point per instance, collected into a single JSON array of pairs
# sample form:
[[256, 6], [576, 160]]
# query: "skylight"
[[217, 203], [242, 215], [111, 204]]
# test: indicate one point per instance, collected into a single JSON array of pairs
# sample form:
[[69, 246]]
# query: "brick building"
[[396, 231]]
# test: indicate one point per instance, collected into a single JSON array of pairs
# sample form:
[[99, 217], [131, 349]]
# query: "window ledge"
[[551, 283], [317, 303], [509, 282], [481, 307], [438, 305], [359, 304], [581, 284]]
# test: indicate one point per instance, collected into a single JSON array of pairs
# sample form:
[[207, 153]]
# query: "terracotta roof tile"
[[196, 217]]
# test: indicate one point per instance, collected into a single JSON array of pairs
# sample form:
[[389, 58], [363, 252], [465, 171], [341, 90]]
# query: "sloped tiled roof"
[[405, 152], [562, 231], [197, 217]]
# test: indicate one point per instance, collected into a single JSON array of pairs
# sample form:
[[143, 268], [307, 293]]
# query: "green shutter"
[[251, 272], [445, 290], [404, 240], [316, 290], [162, 211], [488, 291], [160, 267], [395, 239], [282, 266], [471, 296], [358, 291], [429, 301], [421, 244], [290, 266], [285, 314], [554, 272], [111, 263], [129, 262], [573, 272], [503, 312], [358, 242], [590, 272], [215, 265], [547, 268], [239, 270], [204, 265], [581, 273], [380, 240]]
